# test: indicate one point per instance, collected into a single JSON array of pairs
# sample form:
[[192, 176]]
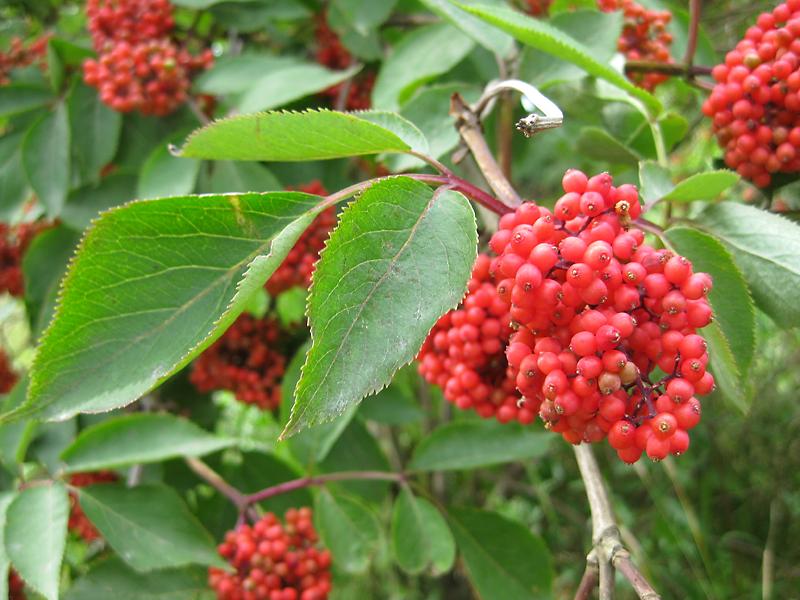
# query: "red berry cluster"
[[298, 266], [140, 67], [20, 55], [644, 37], [464, 353], [131, 21], [755, 105], [332, 54], [14, 241], [274, 561], [78, 522], [8, 377], [245, 360], [596, 311], [538, 8], [16, 587]]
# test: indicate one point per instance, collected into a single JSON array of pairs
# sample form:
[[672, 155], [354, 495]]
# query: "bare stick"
[[694, 28], [469, 128], [216, 481], [654, 66], [590, 577], [303, 482], [605, 533]]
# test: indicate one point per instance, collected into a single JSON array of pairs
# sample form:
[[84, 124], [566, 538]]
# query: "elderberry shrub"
[[139, 67], [644, 37], [595, 312], [78, 522], [755, 105], [274, 561]]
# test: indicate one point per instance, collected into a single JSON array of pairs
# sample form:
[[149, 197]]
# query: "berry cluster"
[[644, 37], [538, 8], [464, 353], [78, 522], [245, 360], [332, 54], [16, 587], [8, 377], [298, 266], [596, 311], [274, 561], [755, 105], [139, 66], [14, 241], [20, 55]]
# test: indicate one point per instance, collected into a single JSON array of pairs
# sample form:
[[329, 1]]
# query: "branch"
[[303, 482], [694, 28], [469, 128], [590, 577], [605, 533], [216, 481], [654, 66]]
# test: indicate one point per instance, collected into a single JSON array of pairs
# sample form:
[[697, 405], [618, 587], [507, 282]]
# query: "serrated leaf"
[[112, 579], [734, 387], [139, 438], [86, 203], [14, 188], [597, 143], [543, 36], [404, 129], [95, 131], [230, 176], [46, 158], [363, 15], [472, 444], [489, 37], [729, 298], [164, 175], [420, 56], [235, 74], [765, 247], [15, 437], [349, 529], [703, 186], [35, 535], [291, 306], [280, 87], [420, 536], [291, 136], [399, 259], [5, 563], [20, 98], [149, 526], [504, 561], [655, 182], [152, 285]]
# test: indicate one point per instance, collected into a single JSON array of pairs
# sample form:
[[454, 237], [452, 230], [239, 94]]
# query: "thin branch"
[[654, 66], [606, 581], [590, 577], [605, 533], [469, 128], [216, 481], [694, 28], [303, 482]]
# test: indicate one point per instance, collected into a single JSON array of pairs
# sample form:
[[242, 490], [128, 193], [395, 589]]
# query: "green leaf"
[[504, 560], [765, 247], [703, 186], [723, 364], [14, 190], [20, 98], [291, 136], [95, 131], [112, 579], [393, 405], [43, 265], [35, 534], [229, 176], [404, 129], [235, 74], [420, 536], [86, 203], [5, 501], [545, 37], [399, 259], [478, 443], [139, 438], [291, 306], [487, 36], [655, 182], [165, 175], [597, 143], [420, 56], [281, 86], [149, 526], [349, 529], [363, 15], [733, 308], [46, 158], [15, 437], [153, 284]]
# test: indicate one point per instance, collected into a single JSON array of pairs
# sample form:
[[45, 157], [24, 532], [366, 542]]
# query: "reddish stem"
[[303, 482]]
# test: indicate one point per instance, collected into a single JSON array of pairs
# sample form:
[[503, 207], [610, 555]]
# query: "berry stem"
[[469, 128], [694, 28], [303, 482], [216, 481], [654, 66], [608, 548], [590, 577]]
